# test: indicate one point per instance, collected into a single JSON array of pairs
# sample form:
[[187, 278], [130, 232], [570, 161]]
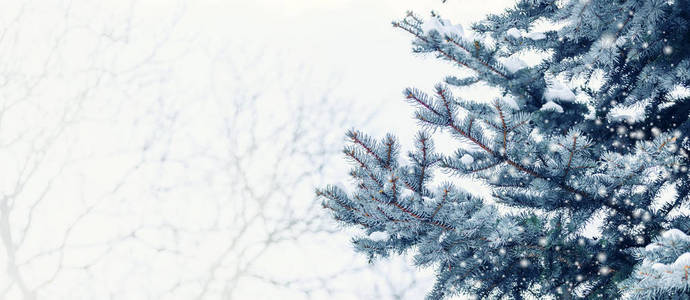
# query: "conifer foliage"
[[595, 133]]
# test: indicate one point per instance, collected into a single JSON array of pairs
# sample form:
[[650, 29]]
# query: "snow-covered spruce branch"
[[594, 133]]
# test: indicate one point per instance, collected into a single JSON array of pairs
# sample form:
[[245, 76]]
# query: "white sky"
[[352, 39]]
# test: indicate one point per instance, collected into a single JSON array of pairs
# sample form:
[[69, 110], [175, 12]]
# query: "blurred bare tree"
[[142, 159]]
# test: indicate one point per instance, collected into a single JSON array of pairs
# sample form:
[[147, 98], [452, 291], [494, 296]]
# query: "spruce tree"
[[595, 133]]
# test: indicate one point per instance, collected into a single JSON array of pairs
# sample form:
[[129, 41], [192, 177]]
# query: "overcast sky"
[[352, 39]]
